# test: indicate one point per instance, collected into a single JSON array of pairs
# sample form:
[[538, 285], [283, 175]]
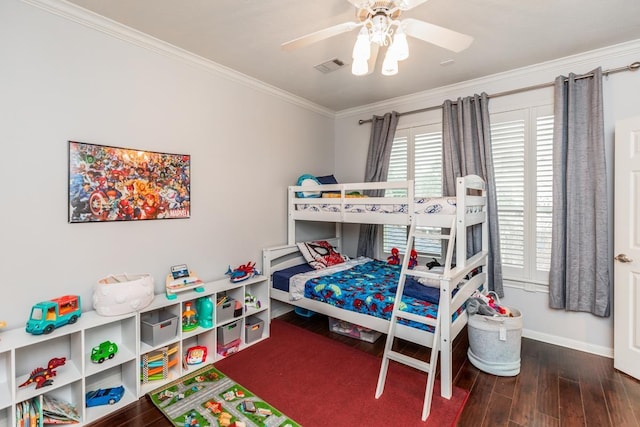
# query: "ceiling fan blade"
[[359, 4], [319, 35], [434, 34], [410, 4]]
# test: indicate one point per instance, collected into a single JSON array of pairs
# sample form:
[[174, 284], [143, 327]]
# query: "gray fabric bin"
[[494, 343]]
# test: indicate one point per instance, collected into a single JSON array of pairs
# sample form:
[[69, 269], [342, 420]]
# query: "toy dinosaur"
[[44, 376]]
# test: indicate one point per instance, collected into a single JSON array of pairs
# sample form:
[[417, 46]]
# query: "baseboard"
[[569, 343]]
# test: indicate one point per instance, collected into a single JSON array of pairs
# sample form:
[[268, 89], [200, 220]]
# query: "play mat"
[[207, 397]]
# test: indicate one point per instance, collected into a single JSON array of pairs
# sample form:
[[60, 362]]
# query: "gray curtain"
[[466, 149], [579, 276], [383, 130]]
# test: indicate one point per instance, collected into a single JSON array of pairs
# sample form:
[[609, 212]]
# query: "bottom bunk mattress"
[[362, 285]]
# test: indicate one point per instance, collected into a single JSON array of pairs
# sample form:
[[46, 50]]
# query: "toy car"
[[106, 350], [104, 396]]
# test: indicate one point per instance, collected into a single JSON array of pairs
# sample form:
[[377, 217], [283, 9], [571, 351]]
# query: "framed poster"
[[122, 184]]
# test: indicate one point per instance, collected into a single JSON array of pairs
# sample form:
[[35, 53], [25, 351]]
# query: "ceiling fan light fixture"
[[390, 65], [362, 47], [400, 48], [360, 67]]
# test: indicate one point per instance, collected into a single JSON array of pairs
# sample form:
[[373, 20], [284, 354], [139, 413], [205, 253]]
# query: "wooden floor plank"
[[498, 411], [475, 409], [620, 410], [526, 387], [548, 385], [594, 404], [571, 412]]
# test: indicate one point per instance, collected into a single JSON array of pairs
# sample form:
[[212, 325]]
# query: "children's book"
[[58, 411]]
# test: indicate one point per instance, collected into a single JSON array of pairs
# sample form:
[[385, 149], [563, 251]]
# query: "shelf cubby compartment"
[[256, 298], [70, 393], [229, 306], [5, 381], [121, 332], [5, 416], [256, 328], [115, 376], [158, 328], [159, 367], [205, 339], [39, 354]]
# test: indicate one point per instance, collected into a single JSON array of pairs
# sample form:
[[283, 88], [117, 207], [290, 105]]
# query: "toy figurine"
[[189, 317], [44, 376], [394, 259], [243, 272], [413, 259]]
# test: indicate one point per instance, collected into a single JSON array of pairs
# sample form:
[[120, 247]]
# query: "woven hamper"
[[494, 343]]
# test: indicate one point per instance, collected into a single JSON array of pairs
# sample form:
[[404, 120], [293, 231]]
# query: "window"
[[522, 156], [416, 154]]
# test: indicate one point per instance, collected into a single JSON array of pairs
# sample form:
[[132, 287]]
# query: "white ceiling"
[[245, 35]]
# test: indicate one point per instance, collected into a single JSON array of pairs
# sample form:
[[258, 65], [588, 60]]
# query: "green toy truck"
[[106, 350], [48, 315]]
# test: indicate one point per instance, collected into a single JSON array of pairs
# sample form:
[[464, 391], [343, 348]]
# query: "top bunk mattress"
[[422, 205]]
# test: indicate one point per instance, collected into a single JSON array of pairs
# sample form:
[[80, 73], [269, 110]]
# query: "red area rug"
[[320, 382]]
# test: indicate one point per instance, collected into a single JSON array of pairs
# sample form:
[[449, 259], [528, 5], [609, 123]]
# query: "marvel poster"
[[121, 184]]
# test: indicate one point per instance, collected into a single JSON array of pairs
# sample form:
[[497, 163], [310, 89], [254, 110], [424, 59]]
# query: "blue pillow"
[[307, 180]]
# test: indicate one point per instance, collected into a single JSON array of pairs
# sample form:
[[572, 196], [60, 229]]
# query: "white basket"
[[494, 343], [123, 293]]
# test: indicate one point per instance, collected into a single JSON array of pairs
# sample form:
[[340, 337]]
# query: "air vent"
[[330, 65]]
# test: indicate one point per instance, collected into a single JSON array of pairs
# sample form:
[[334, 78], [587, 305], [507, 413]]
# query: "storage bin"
[[304, 312], [494, 343], [230, 348], [227, 310], [158, 326], [228, 333], [253, 328], [353, 331]]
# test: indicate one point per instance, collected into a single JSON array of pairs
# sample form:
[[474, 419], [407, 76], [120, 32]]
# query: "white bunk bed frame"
[[471, 210]]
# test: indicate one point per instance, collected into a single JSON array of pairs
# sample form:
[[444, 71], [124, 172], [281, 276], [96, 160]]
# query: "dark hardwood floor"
[[556, 387]]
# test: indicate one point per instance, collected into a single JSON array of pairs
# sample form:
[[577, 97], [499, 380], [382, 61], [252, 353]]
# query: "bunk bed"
[[443, 218]]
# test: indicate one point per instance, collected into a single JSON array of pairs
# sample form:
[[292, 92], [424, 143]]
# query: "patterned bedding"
[[366, 286], [422, 205]]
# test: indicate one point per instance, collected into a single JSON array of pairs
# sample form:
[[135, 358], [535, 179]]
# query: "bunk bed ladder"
[[389, 354]]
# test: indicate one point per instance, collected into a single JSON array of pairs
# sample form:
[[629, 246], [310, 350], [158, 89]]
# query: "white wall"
[[577, 330], [61, 80]]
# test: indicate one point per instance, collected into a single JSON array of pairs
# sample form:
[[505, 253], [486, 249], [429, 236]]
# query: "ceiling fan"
[[380, 27]]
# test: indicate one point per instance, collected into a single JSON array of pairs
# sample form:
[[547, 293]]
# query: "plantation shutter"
[[507, 140], [396, 235], [544, 195]]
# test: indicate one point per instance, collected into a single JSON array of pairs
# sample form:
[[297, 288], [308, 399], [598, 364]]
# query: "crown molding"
[[582, 62], [97, 22]]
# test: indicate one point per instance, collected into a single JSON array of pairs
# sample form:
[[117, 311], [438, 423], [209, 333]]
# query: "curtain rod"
[[631, 67]]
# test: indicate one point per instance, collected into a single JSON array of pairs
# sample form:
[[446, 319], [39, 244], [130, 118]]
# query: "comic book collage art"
[[119, 184]]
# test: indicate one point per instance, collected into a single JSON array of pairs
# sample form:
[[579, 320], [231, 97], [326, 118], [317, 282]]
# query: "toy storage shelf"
[[158, 338], [21, 352]]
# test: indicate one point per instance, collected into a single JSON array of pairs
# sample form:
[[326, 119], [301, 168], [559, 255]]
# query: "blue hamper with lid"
[[494, 343]]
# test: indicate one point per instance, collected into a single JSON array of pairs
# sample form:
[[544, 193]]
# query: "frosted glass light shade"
[[360, 67], [362, 48], [390, 65]]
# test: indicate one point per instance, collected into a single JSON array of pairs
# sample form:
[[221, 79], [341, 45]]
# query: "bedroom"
[[65, 80]]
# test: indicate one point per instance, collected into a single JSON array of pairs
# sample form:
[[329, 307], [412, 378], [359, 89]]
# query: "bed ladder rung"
[[417, 318], [410, 361], [420, 234]]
